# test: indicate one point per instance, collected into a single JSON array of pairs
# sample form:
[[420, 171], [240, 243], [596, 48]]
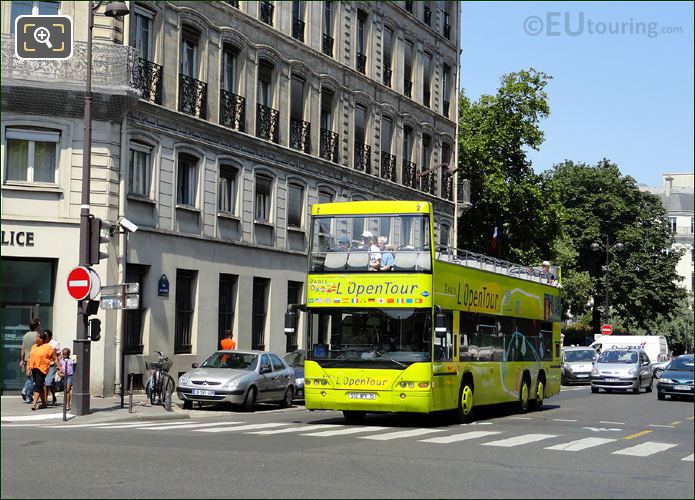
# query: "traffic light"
[[95, 329], [95, 241]]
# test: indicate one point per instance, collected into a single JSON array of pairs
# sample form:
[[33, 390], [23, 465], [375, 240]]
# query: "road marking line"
[[521, 418], [248, 427], [187, 426], [665, 426], [459, 437], [580, 444], [608, 422], [564, 420], [101, 425], [343, 432], [401, 434], [644, 449], [519, 440], [297, 429], [637, 434], [675, 422], [689, 458], [690, 418], [30, 418]]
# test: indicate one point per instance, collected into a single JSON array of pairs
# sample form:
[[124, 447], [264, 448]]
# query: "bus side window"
[[443, 346]]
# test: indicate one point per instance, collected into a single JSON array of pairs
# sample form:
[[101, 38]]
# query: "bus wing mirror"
[[440, 321], [290, 322]]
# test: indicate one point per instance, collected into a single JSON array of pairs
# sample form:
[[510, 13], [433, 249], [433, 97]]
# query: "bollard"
[[130, 392]]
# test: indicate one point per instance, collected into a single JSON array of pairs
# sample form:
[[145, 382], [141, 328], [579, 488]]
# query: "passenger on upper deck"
[[545, 270], [375, 254], [342, 246], [387, 258]]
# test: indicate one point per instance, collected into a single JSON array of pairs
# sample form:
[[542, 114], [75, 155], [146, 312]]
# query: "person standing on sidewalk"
[[51, 375], [67, 368], [28, 341], [40, 358], [228, 341]]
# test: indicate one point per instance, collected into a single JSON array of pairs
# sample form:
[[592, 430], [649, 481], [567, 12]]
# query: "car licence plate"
[[203, 392], [612, 380], [361, 395], [582, 375], [683, 388]]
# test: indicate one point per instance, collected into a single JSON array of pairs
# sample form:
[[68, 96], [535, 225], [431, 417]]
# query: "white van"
[[655, 346]]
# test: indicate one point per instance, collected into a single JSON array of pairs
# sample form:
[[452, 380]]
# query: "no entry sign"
[[82, 283], [606, 329]]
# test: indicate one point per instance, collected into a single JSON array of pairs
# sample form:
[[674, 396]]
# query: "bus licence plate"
[[361, 395], [203, 392], [683, 388]]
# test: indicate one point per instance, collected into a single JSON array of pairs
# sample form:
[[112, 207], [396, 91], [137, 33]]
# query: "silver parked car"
[[577, 363], [622, 369], [239, 377]]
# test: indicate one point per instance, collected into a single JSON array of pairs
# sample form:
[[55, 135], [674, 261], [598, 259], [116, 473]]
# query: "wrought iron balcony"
[[327, 45], [300, 135], [408, 88], [446, 108], [409, 6], [447, 31], [363, 154], [193, 96], [267, 123], [427, 182], [409, 177], [426, 98], [233, 110], [361, 63], [447, 186], [233, 3], [387, 75], [427, 15], [388, 166], [267, 9], [147, 78], [329, 145], [298, 29]]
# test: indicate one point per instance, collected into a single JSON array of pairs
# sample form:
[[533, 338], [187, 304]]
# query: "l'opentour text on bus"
[[440, 330]]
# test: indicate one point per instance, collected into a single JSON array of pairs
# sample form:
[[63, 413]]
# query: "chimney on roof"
[[668, 185]]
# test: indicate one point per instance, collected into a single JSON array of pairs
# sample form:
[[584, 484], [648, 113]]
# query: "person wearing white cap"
[[545, 272], [375, 254]]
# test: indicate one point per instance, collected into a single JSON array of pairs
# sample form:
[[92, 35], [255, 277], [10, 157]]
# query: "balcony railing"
[[408, 88], [298, 29], [427, 15], [361, 63], [426, 98], [447, 31], [388, 166], [409, 6], [233, 110], [409, 174], [267, 9], [327, 45], [428, 182], [193, 96], [329, 145], [447, 186], [267, 123], [233, 3], [387, 75], [147, 78], [300, 135], [363, 157], [446, 109]]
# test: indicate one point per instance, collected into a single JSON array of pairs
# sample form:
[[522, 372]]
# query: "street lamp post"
[[618, 246], [82, 342]]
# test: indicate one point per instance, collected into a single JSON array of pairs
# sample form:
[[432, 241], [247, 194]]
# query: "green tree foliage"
[[494, 132], [600, 205], [677, 326]]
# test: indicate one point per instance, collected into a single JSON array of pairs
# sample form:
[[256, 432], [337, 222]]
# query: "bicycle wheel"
[[167, 387]]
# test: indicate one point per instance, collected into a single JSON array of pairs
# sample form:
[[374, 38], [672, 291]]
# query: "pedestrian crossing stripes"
[[454, 438], [248, 427], [581, 444], [644, 449], [518, 440], [689, 458], [344, 432], [401, 434], [306, 428]]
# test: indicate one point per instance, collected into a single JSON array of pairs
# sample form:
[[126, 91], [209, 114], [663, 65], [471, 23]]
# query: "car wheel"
[[649, 387], [636, 389], [188, 405], [354, 417], [250, 400], [523, 396], [563, 380], [658, 372], [287, 400], [660, 395], [594, 389]]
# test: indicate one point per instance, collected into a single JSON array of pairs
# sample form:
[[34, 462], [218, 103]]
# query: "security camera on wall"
[[127, 225]]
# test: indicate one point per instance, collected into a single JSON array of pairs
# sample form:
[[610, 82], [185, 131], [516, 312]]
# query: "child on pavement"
[[67, 369]]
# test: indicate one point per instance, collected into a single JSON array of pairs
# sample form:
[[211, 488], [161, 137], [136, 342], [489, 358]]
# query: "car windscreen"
[[627, 357], [681, 364], [295, 359], [233, 360], [577, 356]]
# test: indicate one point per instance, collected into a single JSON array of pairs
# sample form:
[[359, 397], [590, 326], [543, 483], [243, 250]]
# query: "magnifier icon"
[[42, 35]]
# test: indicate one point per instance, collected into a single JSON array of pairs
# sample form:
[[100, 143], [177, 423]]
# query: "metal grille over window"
[[133, 317], [267, 9], [300, 135], [387, 75], [427, 15], [388, 166], [267, 122], [298, 29], [233, 110], [408, 88], [362, 157], [446, 108], [227, 302], [409, 6], [361, 63], [409, 173], [147, 78], [193, 95], [447, 31], [327, 45], [329, 145], [259, 308], [183, 321]]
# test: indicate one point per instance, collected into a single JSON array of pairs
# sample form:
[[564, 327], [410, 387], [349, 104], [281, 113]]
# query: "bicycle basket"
[[153, 365], [166, 364]]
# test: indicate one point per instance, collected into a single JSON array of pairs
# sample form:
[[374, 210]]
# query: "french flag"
[[495, 238]]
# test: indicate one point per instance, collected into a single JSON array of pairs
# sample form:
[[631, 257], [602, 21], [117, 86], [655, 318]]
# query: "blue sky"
[[624, 96]]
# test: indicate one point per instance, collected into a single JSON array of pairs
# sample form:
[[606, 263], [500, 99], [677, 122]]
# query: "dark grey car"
[[239, 377], [677, 379], [622, 369]]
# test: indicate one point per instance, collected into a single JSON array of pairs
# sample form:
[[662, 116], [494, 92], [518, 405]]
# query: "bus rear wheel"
[[464, 412], [524, 396], [354, 417], [539, 393]]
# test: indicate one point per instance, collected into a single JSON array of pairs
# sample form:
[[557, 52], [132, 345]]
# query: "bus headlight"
[[402, 384]]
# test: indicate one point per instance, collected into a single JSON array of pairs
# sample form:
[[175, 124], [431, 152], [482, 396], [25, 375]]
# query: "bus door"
[[444, 366]]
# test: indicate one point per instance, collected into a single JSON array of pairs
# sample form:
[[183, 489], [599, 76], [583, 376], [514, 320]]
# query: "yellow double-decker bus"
[[396, 324]]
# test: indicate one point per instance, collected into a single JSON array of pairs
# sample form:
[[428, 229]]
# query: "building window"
[[327, 41], [426, 79], [409, 55], [226, 189], [226, 306], [672, 221], [294, 296], [140, 168], [264, 190], [187, 177], [295, 205], [361, 42], [298, 20], [28, 8], [388, 48], [300, 130], [446, 89], [259, 311], [32, 155], [134, 273], [444, 235], [185, 300], [267, 9], [325, 197], [141, 33], [189, 54], [229, 69]]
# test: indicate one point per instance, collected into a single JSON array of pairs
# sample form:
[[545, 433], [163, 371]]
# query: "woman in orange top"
[[40, 358], [227, 342]]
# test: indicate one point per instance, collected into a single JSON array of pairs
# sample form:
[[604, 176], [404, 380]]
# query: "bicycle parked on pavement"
[[160, 386]]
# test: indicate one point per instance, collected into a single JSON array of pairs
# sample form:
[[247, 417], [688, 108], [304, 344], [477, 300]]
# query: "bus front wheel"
[[524, 396], [464, 412], [354, 417]]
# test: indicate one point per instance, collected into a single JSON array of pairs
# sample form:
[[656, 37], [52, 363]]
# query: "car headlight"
[[667, 381], [568, 369], [231, 384], [299, 380], [183, 380], [634, 371], [594, 371]]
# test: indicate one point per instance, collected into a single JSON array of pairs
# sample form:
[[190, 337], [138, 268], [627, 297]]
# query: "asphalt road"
[[581, 445]]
